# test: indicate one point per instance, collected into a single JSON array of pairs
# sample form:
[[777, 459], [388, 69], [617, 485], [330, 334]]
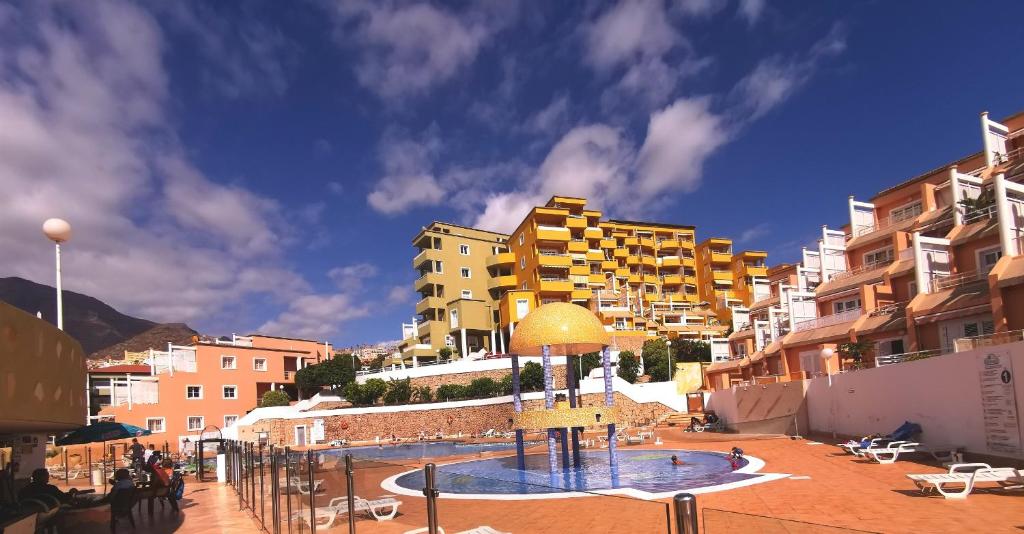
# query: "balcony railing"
[[828, 320], [980, 215], [888, 221], [888, 309], [552, 253], [905, 357], [998, 338], [862, 269], [956, 280], [553, 279]]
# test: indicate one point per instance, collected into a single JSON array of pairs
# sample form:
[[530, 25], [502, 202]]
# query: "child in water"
[[736, 458], [676, 460]]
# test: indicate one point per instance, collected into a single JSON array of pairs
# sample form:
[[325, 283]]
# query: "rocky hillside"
[[102, 330]]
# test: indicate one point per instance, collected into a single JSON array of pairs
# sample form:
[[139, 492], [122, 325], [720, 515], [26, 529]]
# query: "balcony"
[[956, 280], [607, 243], [631, 241], [670, 261], [581, 294], [596, 279], [887, 222], [609, 265], [578, 245], [672, 279], [688, 261], [757, 270], [622, 272], [428, 279], [721, 275], [579, 269], [649, 261], [554, 259], [593, 233], [668, 244], [575, 222], [553, 233], [504, 259], [634, 278], [632, 260], [502, 282], [429, 303], [828, 320], [427, 254], [720, 257], [647, 242], [550, 284], [620, 253], [690, 279], [650, 279]]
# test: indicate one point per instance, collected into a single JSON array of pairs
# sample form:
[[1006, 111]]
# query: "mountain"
[[102, 330]]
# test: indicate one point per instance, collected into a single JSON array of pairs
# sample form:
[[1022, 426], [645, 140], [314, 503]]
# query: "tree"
[[422, 394], [445, 353], [310, 380], [274, 398], [450, 392], [655, 353], [854, 351], [589, 362], [688, 350], [373, 390], [398, 392], [482, 387], [531, 378], [377, 362], [629, 366], [343, 370]]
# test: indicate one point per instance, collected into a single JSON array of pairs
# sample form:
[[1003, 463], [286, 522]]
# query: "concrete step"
[[677, 419]]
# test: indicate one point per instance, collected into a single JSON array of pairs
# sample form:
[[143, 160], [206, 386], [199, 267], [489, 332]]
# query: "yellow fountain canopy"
[[566, 328]]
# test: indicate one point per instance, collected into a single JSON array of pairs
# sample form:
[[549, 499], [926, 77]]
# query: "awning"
[[882, 323], [975, 230], [927, 307], [773, 349], [746, 333], [820, 334], [850, 281], [1013, 273], [757, 356], [900, 267], [764, 303]]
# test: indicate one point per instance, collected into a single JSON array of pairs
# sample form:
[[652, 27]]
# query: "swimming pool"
[[426, 449], [640, 473]]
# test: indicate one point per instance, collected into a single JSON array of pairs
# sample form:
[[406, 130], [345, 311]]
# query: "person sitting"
[[39, 484], [677, 461], [711, 418], [694, 423]]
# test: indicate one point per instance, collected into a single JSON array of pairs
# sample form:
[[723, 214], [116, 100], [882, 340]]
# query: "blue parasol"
[[102, 431]]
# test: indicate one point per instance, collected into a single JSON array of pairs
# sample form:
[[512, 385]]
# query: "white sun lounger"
[[854, 447], [482, 529], [968, 475], [890, 454], [302, 486], [383, 508]]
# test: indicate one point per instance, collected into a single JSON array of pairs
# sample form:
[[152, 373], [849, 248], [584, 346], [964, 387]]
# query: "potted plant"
[[855, 351]]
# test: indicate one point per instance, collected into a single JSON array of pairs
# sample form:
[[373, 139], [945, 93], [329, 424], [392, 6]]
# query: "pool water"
[[426, 449], [649, 471]]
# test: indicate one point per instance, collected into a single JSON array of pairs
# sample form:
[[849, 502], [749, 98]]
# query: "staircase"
[[677, 419]]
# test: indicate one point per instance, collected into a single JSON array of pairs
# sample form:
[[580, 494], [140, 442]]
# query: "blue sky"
[[264, 166]]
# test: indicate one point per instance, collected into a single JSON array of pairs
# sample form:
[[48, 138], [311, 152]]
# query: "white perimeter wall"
[[942, 394]]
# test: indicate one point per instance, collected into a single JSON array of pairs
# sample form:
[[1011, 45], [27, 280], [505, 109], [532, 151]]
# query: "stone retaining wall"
[[465, 378], [450, 421]]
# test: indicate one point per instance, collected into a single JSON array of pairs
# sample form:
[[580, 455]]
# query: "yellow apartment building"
[[461, 273]]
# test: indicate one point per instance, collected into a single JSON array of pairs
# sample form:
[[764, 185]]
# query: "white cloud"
[[408, 179], [335, 188], [679, 139], [83, 101], [350, 278], [699, 7], [316, 316], [754, 232], [408, 49], [322, 147], [400, 294], [552, 118], [773, 80], [750, 10], [630, 30]]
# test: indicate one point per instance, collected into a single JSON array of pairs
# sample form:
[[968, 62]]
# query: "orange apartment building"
[[926, 267], [204, 385]]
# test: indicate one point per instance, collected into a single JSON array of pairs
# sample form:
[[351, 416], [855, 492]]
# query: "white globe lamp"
[[58, 231]]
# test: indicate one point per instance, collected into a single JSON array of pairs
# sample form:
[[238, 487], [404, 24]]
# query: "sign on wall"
[[999, 403], [318, 430]]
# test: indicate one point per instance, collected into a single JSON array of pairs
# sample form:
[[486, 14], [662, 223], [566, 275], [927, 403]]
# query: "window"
[[522, 238], [193, 392], [230, 420], [988, 257], [196, 422], [438, 267], [454, 318], [259, 364], [230, 392], [155, 424], [875, 257], [903, 213], [846, 305], [467, 294], [465, 272], [227, 362], [522, 308], [912, 288], [464, 250], [522, 262]]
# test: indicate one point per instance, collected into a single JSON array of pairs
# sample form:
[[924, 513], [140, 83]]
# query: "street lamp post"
[[826, 355], [58, 231]]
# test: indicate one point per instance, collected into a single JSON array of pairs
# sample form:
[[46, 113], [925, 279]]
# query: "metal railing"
[[905, 357], [828, 320], [956, 280], [888, 309], [886, 222], [999, 338], [859, 270]]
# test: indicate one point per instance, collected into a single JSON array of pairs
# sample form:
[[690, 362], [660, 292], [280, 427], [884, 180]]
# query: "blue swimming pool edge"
[[754, 465]]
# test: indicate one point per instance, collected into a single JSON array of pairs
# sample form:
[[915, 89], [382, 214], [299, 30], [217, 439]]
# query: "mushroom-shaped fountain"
[[561, 329]]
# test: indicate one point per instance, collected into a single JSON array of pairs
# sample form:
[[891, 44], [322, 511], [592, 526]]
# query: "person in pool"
[[676, 460], [736, 458]]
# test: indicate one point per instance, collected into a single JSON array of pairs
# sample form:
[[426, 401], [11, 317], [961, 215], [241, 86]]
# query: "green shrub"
[[450, 392], [531, 378], [629, 366], [506, 384], [274, 398], [656, 359], [398, 392], [482, 387]]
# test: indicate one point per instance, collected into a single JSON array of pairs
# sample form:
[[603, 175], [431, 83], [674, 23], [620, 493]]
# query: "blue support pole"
[[517, 403], [549, 403], [609, 400], [570, 379], [564, 432]]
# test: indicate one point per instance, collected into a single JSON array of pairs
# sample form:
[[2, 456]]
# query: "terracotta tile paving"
[[842, 494]]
